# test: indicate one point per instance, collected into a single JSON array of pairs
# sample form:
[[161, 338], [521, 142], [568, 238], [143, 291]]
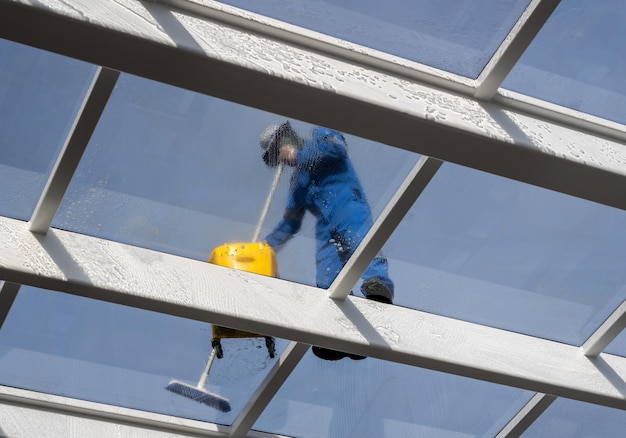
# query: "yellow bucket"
[[255, 257]]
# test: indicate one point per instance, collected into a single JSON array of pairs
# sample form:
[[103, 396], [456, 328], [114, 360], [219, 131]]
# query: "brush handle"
[[207, 368], [268, 201]]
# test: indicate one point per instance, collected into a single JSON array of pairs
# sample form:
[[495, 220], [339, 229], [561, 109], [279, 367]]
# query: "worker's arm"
[[292, 217], [286, 228]]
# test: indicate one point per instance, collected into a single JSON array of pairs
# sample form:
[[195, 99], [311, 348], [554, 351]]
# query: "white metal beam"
[[322, 43], [8, 293], [513, 46], [386, 223], [119, 273], [526, 416], [268, 388], [32, 414], [84, 125], [609, 329], [148, 39]]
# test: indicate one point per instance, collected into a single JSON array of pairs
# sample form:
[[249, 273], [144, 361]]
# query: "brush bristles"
[[199, 395]]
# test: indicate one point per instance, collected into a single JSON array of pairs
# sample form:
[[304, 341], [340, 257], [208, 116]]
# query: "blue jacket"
[[324, 183]]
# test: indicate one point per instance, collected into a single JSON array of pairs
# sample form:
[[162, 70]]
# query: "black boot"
[[328, 354], [376, 290]]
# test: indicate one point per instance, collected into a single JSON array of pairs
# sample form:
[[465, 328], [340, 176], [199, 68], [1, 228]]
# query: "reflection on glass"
[[577, 60], [101, 352], [501, 253], [40, 94], [578, 420], [180, 172], [458, 36], [374, 398]]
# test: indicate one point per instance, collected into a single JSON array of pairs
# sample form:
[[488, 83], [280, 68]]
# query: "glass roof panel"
[[578, 420], [494, 251], [182, 173], [40, 94], [578, 60], [458, 36], [122, 356], [374, 398]]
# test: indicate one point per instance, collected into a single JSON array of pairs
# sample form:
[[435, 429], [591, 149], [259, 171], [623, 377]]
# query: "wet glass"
[[374, 398], [91, 350], [578, 60], [578, 420], [182, 173], [457, 36], [40, 94], [497, 252]]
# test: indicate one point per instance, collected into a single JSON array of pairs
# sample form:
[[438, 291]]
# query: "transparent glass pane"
[[498, 252], [458, 36], [183, 173], [578, 420], [91, 350], [578, 59], [374, 398], [40, 94]]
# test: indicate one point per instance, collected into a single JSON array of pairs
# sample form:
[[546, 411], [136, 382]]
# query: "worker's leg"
[[329, 263], [376, 282]]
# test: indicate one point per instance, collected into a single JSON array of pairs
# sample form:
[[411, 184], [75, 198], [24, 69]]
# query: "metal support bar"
[[84, 125], [268, 388], [402, 201], [140, 38], [28, 413], [169, 284], [8, 292], [514, 45], [526, 416], [609, 329]]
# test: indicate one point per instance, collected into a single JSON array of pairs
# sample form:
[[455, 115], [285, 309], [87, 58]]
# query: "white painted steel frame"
[[609, 329], [513, 46], [84, 125], [485, 87], [149, 40], [22, 414], [399, 205], [615, 167], [8, 292], [321, 43], [263, 395], [193, 289], [526, 416]]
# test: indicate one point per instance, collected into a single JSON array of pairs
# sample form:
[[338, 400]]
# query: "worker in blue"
[[324, 183]]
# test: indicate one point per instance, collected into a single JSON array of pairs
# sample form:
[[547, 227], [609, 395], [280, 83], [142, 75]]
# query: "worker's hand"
[[288, 154]]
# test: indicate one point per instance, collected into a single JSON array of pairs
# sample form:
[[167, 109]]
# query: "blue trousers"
[[333, 253]]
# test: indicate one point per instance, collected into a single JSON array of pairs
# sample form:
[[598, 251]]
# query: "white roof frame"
[[85, 123], [153, 41], [512, 48], [8, 292], [118, 273], [32, 414], [497, 137]]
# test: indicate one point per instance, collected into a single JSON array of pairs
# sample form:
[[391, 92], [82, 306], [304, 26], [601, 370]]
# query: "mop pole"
[[268, 201], [205, 374]]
